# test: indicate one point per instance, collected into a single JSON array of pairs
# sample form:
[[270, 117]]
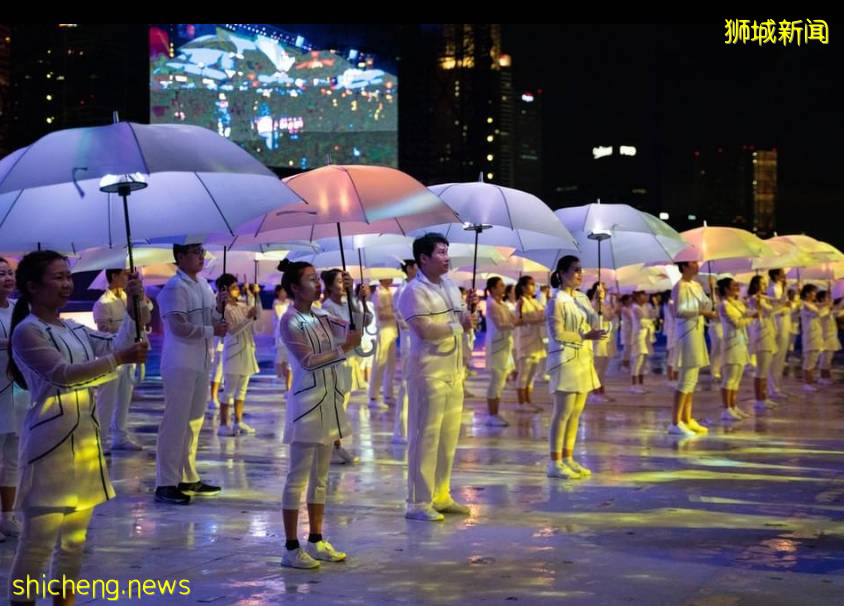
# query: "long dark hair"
[[521, 286], [491, 282], [292, 274], [753, 287], [329, 276], [724, 286], [32, 268], [563, 266]]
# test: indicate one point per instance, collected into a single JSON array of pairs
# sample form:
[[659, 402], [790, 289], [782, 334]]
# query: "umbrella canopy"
[[709, 244], [197, 182]]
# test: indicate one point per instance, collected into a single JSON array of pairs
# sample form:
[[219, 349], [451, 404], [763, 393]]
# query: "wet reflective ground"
[[751, 514]]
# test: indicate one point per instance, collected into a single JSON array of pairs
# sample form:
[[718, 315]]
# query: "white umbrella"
[[182, 178], [505, 216], [118, 258]]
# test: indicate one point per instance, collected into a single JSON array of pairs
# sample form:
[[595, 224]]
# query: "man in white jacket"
[[192, 318], [433, 308]]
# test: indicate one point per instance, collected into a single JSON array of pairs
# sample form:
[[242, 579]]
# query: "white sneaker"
[[495, 421], [298, 558], [323, 550], [126, 443], [453, 506], [225, 430], [696, 427], [637, 389], [825, 381], [244, 428], [808, 387], [728, 415], [680, 429], [424, 513], [770, 403], [741, 413], [341, 456], [10, 527], [378, 406], [596, 398], [584, 472], [558, 469]]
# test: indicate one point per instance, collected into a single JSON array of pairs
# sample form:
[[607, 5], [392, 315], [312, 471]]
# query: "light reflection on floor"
[[752, 514]]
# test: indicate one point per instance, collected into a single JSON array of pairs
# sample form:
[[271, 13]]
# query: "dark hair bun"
[[284, 265]]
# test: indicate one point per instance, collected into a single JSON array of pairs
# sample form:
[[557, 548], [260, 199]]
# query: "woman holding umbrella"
[[811, 316], [315, 417], [530, 347], [735, 317], [691, 308], [63, 472], [499, 346], [569, 317], [762, 337]]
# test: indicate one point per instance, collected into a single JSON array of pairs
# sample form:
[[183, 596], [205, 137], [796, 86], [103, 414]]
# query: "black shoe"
[[199, 489], [171, 495]]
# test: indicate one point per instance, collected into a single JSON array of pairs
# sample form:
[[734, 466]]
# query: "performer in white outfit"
[[192, 317], [115, 397], [282, 371], [641, 332], [530, 347], [63, 472], [602, 349], [829, 329], [315, 416], [626, 329], [715, 330], [500, 323], [239, 361], [384, 364], [670, 338], [400, 420], [14, 403], [762, 337], [570, 319], [735, 318], [432, 307], [811, 316], [783, 308], [335, 303], [691, 307]]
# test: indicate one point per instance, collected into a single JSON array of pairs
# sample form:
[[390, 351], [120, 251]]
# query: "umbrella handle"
[[349, 292]]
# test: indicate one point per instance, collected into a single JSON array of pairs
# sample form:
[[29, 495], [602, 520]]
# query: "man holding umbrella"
[[433, 309], [192, 318]]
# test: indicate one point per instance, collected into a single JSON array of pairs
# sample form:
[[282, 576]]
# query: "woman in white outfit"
[[691, 308], [282, 371], [783, 308], [602, 349], [735, 318], [715, 330], [530, 347], [570, 318], [499, 347], [63, 472], [670, 337], [239, 362], [315, 416], [762, 337], [831, 344], [811, 315], [626, 318], [336, 305], [13, 404], [642, 330]]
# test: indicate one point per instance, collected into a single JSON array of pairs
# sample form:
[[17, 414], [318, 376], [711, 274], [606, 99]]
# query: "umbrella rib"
[[357, 195], [217, 206], [29, 147], [11, 208], [510, 217], [138, 143]]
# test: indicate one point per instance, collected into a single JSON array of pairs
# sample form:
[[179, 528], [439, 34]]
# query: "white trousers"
[[778, 363], [400, 420], [731, 379], [763, 364], [435, 409], [526, 368], [636, 365], [384, 363], [45, 532], [687, 379], [113, 400], [308, 463], [236, 386], [565, 420], [185, 393]]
